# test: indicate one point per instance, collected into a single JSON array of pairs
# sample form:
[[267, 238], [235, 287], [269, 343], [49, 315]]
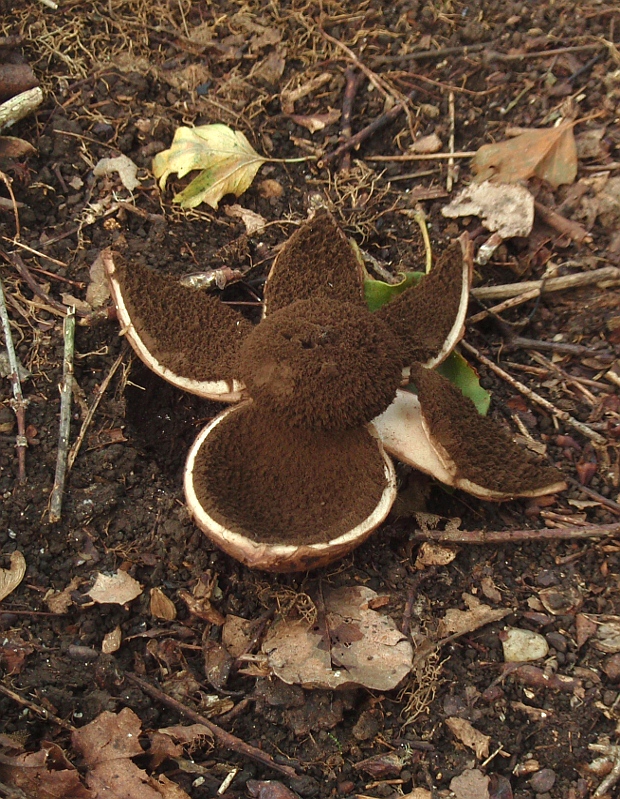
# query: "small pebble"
[[611, 667], [523, 645], [609, 697], [543, 781], [557, 641]]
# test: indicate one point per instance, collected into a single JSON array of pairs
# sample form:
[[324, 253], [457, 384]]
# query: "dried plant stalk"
[[18, 403], [66, 389]]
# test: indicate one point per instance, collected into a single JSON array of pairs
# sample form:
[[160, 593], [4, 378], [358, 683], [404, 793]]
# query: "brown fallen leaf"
[[236, 635], [469, 735], [45, 774], [364, 647], [107, 745], [12, 147], [161, 606], [546, 153], [458, 622], [12, 577], [114, 589], [431, 554], [60, 601], [112, 641]]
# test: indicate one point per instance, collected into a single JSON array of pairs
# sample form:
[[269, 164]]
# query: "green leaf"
[[377, 293], [456, 369], [227, 159]]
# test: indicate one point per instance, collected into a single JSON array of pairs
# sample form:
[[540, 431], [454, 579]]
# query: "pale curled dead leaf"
[[114, 589], [458, 622], [123, 166], [227, 160], [432, 554], [44, 774], [469, 735], [61, 601], [547, 153], [253, 222], [112, 641], [502, 207], [10, 578], [365, 647]]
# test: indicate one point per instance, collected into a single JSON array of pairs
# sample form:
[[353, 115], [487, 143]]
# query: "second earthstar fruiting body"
[[297, 474]]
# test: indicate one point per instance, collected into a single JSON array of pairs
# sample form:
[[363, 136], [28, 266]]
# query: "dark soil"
[[119, 78]]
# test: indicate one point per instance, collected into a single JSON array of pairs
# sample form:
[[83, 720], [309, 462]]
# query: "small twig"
[[91, 412], [451, 111], [40, 711], [563, 375], [376, 81], [365, 133], [519, 342], [225, 738], [512, 536], [496, 310], [429, 55], [590, 492], [18, 403], [611, 753], [20, 106], [567, 227], [422, 156], [534, 397], [352, 83], [548, 284], [66, 391], [15, 261], [7, 182]]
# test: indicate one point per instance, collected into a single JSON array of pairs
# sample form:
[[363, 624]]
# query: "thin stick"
[[18, 402], [223, 737], [534, 397], [422, 156], [567, 227], [512, 302], [451, 111], [91, 412], [7, 182], [40, 711], [519, 342], [547, 285], [376, 81], [513, 536], [487, 47], [614, 507], [66, 391], [365, 133], [352, 82]]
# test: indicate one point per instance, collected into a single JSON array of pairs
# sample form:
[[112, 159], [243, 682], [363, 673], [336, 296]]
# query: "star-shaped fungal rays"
[[298, 472]]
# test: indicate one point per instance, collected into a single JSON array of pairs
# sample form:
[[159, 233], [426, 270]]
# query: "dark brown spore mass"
[[423, 315], [317, 261], [482, 450], [279, 485], [190, 332], [322, 364]]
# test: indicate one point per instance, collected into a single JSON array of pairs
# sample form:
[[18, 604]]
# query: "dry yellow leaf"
[[12, 577], [227, 160], [547, 153]]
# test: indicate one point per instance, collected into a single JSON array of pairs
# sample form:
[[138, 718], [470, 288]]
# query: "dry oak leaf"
[[114, 589], [228, 162], [107, 745], [12, 577], [46, 774], [364, 647], [546, 153], [469, 736]]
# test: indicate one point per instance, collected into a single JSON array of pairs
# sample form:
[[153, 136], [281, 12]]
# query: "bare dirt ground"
[[119, 77]]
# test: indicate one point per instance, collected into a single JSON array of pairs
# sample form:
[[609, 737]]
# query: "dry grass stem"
[[18, 403], [605, 273], [66, 393]]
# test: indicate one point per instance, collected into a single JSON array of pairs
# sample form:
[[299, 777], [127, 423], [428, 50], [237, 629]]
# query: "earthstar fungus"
[[298, 474]]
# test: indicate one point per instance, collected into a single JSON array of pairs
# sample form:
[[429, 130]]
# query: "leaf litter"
[[10, 578], [348, 645], [546, 153]]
